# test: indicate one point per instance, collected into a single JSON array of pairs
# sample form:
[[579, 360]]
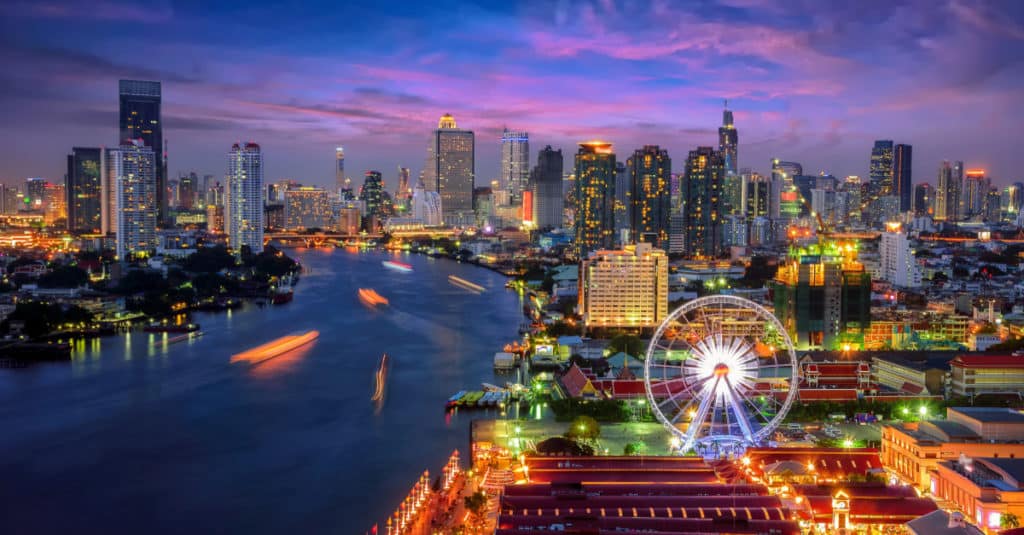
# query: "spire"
[[726, 115]]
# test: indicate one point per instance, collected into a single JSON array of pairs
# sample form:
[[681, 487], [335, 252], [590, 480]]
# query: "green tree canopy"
[[64, 277], [584, 427]]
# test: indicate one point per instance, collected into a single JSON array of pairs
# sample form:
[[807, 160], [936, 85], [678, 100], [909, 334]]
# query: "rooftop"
[[937, 523], [991, 415]]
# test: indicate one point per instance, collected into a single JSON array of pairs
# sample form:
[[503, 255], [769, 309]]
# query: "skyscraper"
[[924, 197], [515, 163], [594, 197], [728, 142], [340, 182], [702, 202], [880, 175], [450, 169], [546, 184], [973, 195], [754, 195], [35, 192], [84, 188], [784, 203], [139, 118], [372, 193], [131, 170], [243, 207], [898, 265], [650, 172], [902, 175], [187, 187], [947, 193]]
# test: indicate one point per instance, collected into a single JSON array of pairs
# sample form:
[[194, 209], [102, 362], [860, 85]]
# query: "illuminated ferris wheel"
[[720, 375]]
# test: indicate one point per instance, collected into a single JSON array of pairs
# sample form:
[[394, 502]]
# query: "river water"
[[138, 436]]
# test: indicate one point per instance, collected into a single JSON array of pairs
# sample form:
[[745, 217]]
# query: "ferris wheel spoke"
[[685, 409], [737, 409], [698, 419]]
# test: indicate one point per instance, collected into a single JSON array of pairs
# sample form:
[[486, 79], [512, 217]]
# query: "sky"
[[809, 81]]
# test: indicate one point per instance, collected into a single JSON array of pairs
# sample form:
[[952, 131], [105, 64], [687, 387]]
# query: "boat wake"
[[382, 377]]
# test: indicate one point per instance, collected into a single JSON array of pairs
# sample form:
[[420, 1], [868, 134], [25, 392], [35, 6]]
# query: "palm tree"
[[1009, 521]]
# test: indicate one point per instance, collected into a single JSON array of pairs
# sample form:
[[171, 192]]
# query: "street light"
[[923, 411], [847, 443]]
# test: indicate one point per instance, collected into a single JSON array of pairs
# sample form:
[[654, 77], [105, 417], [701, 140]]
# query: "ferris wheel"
[[721, 374]]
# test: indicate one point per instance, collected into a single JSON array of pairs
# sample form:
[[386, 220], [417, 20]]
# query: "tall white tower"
[[243, 211], [131, 174], [515, 162], [339, 168]]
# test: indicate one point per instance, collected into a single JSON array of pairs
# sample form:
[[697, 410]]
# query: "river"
[[137, 436]]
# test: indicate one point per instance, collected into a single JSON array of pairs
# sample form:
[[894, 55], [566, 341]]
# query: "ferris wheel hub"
[[721, 369]]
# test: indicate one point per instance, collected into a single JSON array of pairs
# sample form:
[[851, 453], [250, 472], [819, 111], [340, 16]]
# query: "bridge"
[[320, 239]]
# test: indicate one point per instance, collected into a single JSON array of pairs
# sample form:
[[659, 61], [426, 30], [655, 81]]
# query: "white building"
[[243, 207], [897, 262], [426, 206], [624, 288], [131, 176], [515, 162]]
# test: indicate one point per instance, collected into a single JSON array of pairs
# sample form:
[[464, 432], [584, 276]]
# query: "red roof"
[[988, 361], [912, 388], [574, 381], [828, 394], [874, 510], [628, 389]]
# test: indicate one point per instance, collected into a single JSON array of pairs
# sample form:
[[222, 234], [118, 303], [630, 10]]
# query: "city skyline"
[[813, 86]]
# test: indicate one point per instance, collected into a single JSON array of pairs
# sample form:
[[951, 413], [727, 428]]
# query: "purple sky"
[[809, 81]]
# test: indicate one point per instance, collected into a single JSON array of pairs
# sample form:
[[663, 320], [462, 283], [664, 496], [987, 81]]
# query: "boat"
[[282, 295], [454, 400], [488, 387], [465, 284], [275, 348], [171, 328], [397, 266], [378, 393], [371, 298], [471, 399]]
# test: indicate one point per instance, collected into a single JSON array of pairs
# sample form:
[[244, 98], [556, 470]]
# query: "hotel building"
[[624, 288]]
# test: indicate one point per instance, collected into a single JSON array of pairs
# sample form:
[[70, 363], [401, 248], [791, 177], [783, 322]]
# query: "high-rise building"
[[187, 188], [947, 193], [243, 207], [881, 171], [784, 203], [55, 205], [728, 142], [84, 186], [973, 195], [546, 184], [624, 288], [852, 186], [372, 193], [483, 206], [9, 198], [992, 213], [450, 169], [623, 202], [403, 193], [306, 207], [702, 203], [515, 163], [902, 182], [426, 206], [341, 182], [594, 197], [898, 265], [139, 118], [755, 194], [131, 171], [650, 172], [822, 293], [35, 193], [924, 197]]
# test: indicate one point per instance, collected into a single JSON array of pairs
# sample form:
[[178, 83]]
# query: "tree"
[[64, 277], [476, 504], [584, 427], [626, 343], [561, 446], [209, 260], [1009, 521], [635, 448]]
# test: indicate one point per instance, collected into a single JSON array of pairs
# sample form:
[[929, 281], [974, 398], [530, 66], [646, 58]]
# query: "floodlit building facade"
[[132, 171], [624, 288], [306, 207], [899, 266], [594, 197], [243, 206]]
